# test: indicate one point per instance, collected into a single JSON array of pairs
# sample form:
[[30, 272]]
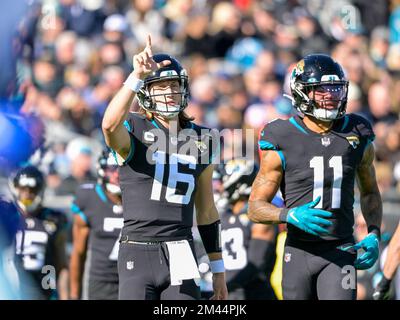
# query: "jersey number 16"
[[174, 177]]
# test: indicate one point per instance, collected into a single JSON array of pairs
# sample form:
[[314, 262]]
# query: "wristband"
[[134, 83], [217, 266], [283, 215]]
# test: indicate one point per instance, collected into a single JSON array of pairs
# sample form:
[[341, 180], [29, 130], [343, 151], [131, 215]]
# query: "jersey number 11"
[[317, 163]]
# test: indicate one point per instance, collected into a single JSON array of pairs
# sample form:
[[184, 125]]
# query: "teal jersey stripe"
[[131, 152], [100, 193], [130, 155], [293, 122], [127, 125], [76, 210], [155, 124], [345, 122], [132, 149]]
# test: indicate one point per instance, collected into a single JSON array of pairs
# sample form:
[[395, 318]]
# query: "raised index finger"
[[148, 46]]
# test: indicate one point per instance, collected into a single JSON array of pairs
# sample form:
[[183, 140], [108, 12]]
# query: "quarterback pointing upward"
[[156, 257], [315, 158]]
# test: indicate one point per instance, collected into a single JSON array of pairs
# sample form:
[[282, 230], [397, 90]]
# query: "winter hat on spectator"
[[115, 22]]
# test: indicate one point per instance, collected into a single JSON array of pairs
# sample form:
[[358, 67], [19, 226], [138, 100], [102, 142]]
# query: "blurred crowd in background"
[[238, 54]]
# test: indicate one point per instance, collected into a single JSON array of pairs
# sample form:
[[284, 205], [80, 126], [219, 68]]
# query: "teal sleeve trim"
[[76, 210], [265, 145], [100, 193], [345, 122], [369, 141], [283, 160], [127, 125], [131, 152], [299, 127], [155, 124]]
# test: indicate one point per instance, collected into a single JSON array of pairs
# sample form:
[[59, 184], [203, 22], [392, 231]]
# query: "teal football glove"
[[371, 246], [308, 219]]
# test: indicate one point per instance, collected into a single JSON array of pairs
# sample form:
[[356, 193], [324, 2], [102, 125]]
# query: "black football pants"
[[318, 271], [143, 271]]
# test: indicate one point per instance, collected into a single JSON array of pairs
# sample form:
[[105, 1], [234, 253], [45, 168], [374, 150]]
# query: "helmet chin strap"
[[32, 206], [164, 112], [325, 114], [113, 189], [168, 115]]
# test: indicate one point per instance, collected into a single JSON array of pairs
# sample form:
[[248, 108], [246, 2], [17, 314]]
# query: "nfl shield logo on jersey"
[[288, 257], [130, 265], [325, 141]]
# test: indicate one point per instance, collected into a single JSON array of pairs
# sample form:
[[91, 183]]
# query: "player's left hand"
[[382, 289], [219, 287], [371, 246]]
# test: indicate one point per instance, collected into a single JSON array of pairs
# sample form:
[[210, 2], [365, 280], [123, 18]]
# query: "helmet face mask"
[[237, 178], [27, 188], [162, 103], [107, 172], [319, 88]]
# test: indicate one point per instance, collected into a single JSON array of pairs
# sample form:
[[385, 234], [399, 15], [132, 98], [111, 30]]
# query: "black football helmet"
[[173, 71], [319, 72], [106, 162], [237, 178], [32, 178]]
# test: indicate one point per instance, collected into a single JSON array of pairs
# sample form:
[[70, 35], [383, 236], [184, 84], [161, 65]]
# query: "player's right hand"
[[143, 62], [310, 220]]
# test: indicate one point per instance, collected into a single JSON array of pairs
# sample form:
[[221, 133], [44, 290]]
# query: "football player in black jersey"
[[161, 183], [96, 231], [315, 158], [248, 248], [42, 243]]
